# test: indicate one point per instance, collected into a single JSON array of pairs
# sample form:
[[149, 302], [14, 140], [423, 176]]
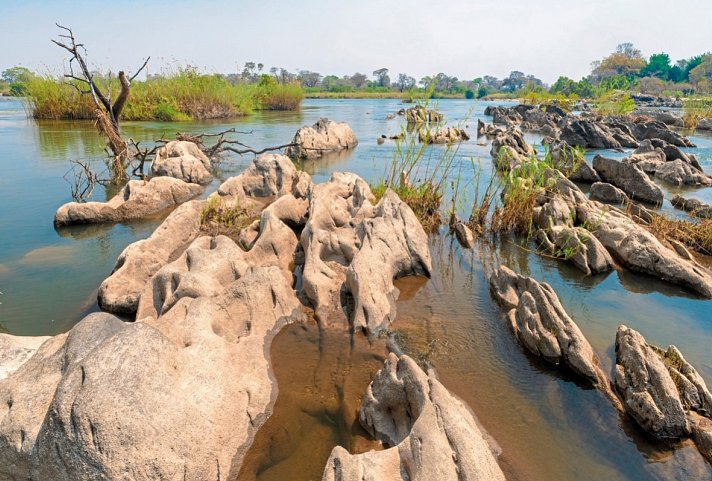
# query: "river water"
[[548, 425]]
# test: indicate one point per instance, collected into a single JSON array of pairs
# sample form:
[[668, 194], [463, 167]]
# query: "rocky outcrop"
[[628, 177], [592, 134], [544, 328], [695, 207], [666, 117], [419, 114], [570, 161], [269, 177], [15, 351], [558, 236], [157, 399], [657, 130], [429, 433], [136, 200], [448, 135], [324, 137], [630, 243], [608, 193], [658, 386], [679, 173], [527, 117], [351, 244], [488, 130], [182, 160], [510, 149], [119, 293]]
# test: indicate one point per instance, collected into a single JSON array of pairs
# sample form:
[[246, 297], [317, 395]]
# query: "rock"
[[138, 262], [570, 161], [630, 243], [157, 399], [464, 235], [15, 351], [608, 193], [430, 434], [351, 245], [657, 386], [628, 177], [137, 199], [647, 157], [658, 130], [702, 434], [380, 141], [510, 150], [182, 160], [419, 114], [489, 130], [591, 134], [693, 206], [443, 136], [269, 177], [324, 137], [672, 152], [679, 173], [668, 118], [544, 328], [704, 124]]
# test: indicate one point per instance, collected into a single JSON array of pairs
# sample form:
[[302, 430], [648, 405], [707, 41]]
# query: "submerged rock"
[[628, 177], [182, 160], [136, 200], [429, 433], [324, 137], [657, 386], [542, 325]]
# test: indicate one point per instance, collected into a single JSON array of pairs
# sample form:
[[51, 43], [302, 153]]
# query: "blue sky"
[[418, 37]]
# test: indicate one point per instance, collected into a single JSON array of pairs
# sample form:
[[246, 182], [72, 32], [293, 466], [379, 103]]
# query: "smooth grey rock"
[[323, 137], [541, 324], [464, 235], [137, 199], [679, 173]]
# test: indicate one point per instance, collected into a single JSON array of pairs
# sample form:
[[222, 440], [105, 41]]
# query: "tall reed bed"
[[182, 95]]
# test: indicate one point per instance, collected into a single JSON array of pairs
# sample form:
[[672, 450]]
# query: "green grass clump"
[[275, 96], [225, 218], [614, 102], [696, 109]]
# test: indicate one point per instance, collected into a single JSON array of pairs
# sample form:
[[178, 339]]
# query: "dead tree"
[[107, 114]]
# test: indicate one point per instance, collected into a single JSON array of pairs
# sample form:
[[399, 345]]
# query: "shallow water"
[[548, 425]]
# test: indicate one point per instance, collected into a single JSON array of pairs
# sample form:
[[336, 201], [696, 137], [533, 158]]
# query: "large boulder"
[[658, 386], [323, 137], [593, 134], [155, 399], [609, 193], [15, 351], [628, 177], [430, 434], [658, 130], [352, 245], [182, 160], [679, 173], [136, 200], [419, 114], [541, 324]]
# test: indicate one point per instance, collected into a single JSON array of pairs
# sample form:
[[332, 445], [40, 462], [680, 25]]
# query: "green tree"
[[658, 66], [16, 78], [625, 60]]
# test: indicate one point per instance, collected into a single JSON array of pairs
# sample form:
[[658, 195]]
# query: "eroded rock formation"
[[182, 160], [136, 200], [429, 433]]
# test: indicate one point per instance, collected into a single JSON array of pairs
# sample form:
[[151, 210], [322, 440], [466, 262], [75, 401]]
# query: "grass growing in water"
[[696, 109], [182, 95], [418, 174], [694, 234]]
